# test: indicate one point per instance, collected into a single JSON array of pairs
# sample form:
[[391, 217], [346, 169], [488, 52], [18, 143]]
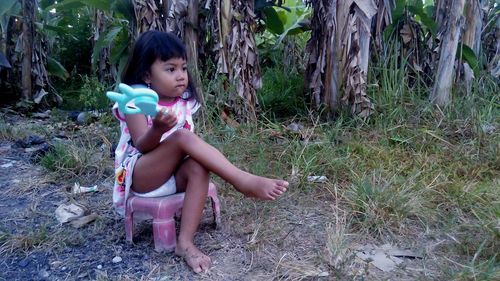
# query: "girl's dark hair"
[[150, 46]]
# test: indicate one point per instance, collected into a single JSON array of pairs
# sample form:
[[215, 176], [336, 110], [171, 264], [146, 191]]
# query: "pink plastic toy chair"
[[163, 210]]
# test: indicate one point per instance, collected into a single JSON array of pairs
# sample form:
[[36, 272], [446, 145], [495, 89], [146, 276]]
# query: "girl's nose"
[[181, 76]]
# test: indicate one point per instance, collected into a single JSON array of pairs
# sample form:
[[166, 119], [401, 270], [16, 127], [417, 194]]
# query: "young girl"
[[160, 156]]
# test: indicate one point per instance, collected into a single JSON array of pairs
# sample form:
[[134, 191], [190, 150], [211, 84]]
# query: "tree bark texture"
[[473, 24], [27, 37], [441, 92], [339, 51], [471, 36], [191, 40], [99, 25]]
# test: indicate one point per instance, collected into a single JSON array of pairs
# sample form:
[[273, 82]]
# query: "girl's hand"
[[164, 121]]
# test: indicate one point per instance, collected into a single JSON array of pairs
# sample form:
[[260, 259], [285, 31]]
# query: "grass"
[[9, 132], [414, 175], [379, 205], [24, 242], [281, 95], [85, 158], [411, 172]]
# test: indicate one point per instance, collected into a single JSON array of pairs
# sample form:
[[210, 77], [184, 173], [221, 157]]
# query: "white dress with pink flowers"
[[126, 154]]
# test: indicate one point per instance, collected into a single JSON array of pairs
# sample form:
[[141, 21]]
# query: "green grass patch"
[[84, 92], [77, 160], [410, 170], [282, 93], [24, 242]]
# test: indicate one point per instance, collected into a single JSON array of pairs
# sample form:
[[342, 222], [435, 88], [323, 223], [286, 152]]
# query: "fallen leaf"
[[79, 222]]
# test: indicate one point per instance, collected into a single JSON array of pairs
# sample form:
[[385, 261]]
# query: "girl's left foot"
[[197, 260], [261, 187]]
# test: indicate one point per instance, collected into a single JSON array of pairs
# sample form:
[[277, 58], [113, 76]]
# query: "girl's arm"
[[147, 138]]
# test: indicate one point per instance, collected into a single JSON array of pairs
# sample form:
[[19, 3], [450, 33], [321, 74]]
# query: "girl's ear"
[[147, 78]]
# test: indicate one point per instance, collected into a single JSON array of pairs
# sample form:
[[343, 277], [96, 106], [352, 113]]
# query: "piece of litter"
[[296, 127], [43, 273], [379, 259], [8, 165], [65, 213], [117, 259], [5, 148], [56, 263], [488, 129], [385, 257], [404, 254], [319, 179], [99, 267], [77, 188], [79, 222]]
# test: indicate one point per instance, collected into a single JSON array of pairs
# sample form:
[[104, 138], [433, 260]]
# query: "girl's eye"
[[184, 68], [170, 69]]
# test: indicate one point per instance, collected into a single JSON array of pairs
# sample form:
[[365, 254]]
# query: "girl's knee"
[[182, 136]]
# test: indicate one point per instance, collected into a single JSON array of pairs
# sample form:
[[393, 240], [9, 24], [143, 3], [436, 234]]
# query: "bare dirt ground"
[[291, 239]]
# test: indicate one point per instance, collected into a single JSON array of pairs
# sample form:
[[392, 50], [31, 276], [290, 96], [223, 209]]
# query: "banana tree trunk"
[[441, 93], [27, 47], [441, 13], [382, 19], [165, 6], [474, 16], [339, 54], [99, 24], [494, 65], [224, 18], [175, 16], [191, 40], [322, 71], [234, 24], [147, 16], [472, 33], [245, 73]]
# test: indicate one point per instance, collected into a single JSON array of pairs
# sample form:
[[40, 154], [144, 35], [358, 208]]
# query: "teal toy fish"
[[135, 100]]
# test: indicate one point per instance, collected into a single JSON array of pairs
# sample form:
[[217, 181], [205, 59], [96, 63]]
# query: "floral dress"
[[126, 154]]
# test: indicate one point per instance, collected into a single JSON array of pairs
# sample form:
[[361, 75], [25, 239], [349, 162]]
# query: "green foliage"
[[406, 10], [423, 15], [273, 22], [286, 19], [68, 31], [467, 54], [116, 34], [92, 94], [84, 93], [55, 68], [103, 5], [282, 93], [8, 8]]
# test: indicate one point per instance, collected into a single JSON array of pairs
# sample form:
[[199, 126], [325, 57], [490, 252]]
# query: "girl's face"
[[168, 78]]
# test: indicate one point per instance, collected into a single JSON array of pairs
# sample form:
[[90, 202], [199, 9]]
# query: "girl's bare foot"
[[197, 260], [261, 187]]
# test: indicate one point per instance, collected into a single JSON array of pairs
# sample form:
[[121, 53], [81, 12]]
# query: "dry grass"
[[429, 182]]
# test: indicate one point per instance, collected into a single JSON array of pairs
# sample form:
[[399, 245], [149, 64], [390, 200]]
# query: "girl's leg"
[[193, 179], [155, 167]]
